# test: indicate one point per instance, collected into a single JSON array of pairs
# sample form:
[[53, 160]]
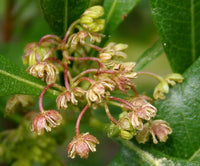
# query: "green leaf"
[[55, 13], [15, 80], [178, 26], [131, 155], [60, 14], [182, 110], [116, 11], [148, 56]]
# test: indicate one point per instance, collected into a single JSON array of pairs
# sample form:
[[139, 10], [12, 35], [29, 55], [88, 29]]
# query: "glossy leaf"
[[60, 14], [131, 155], [14, 80], [148, 56], [116, 11], [178, 26], [182, 110]]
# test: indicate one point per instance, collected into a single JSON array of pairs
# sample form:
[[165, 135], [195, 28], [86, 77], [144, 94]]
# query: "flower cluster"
[[94, 86]]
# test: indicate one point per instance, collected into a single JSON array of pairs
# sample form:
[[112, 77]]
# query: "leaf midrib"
[[193, 50], [33, 84], [112, 9]]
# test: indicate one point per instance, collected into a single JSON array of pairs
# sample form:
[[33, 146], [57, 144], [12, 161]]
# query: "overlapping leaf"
[[178, 25]]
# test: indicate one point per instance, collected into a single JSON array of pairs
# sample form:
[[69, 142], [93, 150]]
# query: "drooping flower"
[[124, 75], [98, 90], [66, 97], [45, 71], [156, 128], [143, 108], [160, 90], [46, 120], [81, 145], [173, 78]]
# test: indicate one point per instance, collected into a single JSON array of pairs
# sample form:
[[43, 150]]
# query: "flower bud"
[[112, 51], [160, 89], [18, 102], [113, 130], [120, 47], [46, 120], [90, 19], [63, 100], [45, 71], [127, 134], [173, 78], [34, 53], [81, 145]]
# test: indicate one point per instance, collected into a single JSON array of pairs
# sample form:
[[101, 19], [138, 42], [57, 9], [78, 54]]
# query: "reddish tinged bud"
[[81, 145], [46, 120], [63, 100]]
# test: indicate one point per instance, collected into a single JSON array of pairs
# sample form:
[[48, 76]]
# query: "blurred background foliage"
[[21, 22]]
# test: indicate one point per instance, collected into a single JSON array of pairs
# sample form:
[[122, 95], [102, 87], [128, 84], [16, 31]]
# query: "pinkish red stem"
[[54, 59], [41, 108], [86, 59], [84, 72], [49, 37], [93, 46], [91, 81], [122, 101], [112, 119], [77, 132]]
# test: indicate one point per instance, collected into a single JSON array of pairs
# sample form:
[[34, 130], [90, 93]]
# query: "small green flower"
[[160, 90], [173, 78]]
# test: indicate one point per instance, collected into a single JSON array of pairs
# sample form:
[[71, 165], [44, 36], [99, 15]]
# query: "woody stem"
[[41, 108], [77, 132]]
